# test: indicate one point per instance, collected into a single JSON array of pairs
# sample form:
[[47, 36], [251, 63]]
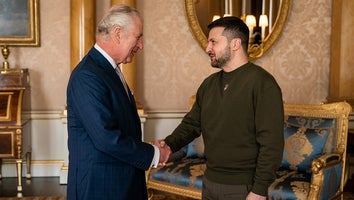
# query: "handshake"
[[165, 152]]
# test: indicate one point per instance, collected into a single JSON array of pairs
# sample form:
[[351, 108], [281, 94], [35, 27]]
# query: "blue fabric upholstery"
[[196, 148], [290, 184], [305, 139], [187, 172], [331, 182]]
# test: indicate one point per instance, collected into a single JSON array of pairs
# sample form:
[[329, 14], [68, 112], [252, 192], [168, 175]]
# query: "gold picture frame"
[[19, 23]]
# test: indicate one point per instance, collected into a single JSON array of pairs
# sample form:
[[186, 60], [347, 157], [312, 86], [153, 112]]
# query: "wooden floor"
[[50, 187], [37, 186]]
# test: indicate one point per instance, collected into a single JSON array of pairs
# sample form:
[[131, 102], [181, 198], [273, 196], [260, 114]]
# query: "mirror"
[[201, 12]]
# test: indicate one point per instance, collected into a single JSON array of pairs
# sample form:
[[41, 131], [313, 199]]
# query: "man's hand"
[[165, 152], [253, 196]]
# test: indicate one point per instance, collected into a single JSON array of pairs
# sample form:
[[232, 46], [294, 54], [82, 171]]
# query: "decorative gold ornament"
[[5, 53]]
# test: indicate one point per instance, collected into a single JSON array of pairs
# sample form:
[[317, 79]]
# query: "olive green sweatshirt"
[[241, 117]]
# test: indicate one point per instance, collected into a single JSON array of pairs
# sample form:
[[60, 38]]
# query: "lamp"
[[250, 22], [255, 50], [263, 23], [215, 17]]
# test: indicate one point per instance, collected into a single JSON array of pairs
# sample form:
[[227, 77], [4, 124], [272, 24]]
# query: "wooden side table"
[[15, 131]]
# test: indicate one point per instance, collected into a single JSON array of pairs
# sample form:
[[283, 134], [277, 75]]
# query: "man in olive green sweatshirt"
[[239, 111]]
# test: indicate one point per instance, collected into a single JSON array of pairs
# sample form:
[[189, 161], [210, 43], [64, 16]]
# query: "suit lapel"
[[103, 62]]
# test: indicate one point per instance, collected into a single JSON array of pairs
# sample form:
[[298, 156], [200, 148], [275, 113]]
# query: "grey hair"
[[119, 15]]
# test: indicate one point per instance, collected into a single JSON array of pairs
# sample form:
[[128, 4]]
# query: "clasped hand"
[[165, 152]]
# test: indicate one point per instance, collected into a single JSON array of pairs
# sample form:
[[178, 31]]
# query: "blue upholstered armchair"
[[314, 159]]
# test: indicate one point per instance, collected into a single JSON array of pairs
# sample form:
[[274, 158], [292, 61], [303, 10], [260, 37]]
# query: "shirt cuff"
[[156, 158]]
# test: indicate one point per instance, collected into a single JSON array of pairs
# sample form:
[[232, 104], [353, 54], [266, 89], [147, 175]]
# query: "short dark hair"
[[234, 28]]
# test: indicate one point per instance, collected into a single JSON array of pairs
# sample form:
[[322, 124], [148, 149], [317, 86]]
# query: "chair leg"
[[28, 165], [19, 177], [150, 194]]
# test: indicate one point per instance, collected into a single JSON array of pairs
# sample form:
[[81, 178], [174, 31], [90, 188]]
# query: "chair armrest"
[[326, 169], [324, 161], [147, 172]]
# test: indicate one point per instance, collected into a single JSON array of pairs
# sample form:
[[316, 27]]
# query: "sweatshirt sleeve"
[[269, 118]]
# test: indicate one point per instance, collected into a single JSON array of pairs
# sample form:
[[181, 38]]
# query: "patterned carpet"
[[347, 196], [156, 197], [169, 197], [34, 198]]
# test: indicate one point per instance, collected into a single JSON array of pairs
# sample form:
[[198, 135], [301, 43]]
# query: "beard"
[[225, 57]]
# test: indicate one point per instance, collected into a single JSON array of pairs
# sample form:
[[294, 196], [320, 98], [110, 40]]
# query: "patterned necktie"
[[120, 74]]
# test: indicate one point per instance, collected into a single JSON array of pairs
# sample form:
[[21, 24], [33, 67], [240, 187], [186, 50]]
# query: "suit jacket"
[[107, 158]]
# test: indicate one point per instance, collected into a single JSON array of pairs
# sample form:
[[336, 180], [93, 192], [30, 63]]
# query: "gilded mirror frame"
[[255, 51]]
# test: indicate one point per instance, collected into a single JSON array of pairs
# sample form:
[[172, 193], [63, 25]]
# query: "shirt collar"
[[109, 58]]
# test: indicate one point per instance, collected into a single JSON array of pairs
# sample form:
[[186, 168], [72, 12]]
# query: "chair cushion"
[[305, 138], [290, 184], [187, 172], [196, 148]]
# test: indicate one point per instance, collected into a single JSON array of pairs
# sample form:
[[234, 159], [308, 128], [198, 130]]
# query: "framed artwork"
[[19, 23]]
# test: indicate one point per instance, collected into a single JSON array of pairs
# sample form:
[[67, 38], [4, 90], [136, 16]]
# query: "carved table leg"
[[28, 165], [19, 177]]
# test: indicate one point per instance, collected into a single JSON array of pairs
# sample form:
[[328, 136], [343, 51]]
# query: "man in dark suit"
[[107, 158]]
